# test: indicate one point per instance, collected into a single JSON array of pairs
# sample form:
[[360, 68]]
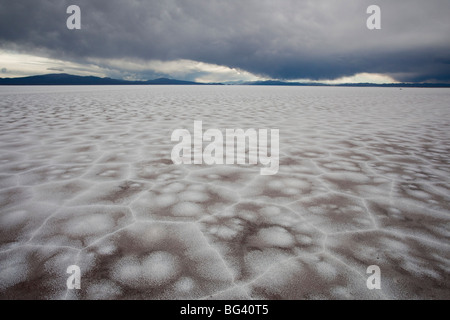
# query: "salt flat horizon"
[[87, 179]]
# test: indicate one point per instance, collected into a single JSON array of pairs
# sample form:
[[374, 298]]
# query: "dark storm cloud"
[[284, 39]]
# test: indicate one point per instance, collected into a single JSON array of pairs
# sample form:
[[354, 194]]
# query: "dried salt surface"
[[413, 268], [316, 277], [155, 260], [86, 179]]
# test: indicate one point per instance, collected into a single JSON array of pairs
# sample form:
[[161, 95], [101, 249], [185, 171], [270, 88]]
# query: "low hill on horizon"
[[68, 79], [58, 79]]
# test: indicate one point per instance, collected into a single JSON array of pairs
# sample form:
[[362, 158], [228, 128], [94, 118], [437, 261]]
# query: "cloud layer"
[[283, 39]]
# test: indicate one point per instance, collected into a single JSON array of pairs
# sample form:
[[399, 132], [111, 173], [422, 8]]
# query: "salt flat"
[[86, 179]]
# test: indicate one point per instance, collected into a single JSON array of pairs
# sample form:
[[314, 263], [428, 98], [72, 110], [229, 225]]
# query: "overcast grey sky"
[[228, 39]]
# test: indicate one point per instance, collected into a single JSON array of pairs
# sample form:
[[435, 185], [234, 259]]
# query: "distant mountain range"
[[68, 79], [315, 84]]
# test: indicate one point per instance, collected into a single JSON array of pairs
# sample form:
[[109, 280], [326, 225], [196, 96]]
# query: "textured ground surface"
[[86, 179]]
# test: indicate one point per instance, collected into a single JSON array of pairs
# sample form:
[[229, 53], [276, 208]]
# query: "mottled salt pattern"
[[86, 179]]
